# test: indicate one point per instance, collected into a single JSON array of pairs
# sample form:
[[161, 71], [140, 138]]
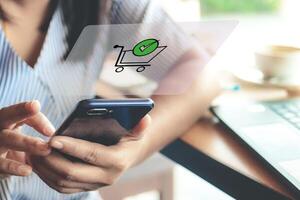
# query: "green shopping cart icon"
[[142, 49]]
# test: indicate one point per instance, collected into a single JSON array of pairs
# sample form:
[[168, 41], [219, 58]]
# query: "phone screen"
[[107, 131]]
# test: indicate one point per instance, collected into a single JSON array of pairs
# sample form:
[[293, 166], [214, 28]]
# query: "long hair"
[[76, 15]]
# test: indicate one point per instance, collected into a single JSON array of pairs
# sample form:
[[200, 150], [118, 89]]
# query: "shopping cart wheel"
[[140, 69], [119, 69]]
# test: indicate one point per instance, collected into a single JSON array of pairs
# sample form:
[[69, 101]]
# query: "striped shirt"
[[57, 85]]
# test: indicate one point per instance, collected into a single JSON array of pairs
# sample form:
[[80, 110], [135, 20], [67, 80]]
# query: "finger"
[[141, 126], [17, 156], [17, 113], [60, 189], [89, 152], [58, 180], [41, 124], [18, 142], [78, 172], [3, 151], [56, 187], [15, 168]]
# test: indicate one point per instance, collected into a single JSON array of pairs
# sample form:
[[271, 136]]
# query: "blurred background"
[[260, 23]]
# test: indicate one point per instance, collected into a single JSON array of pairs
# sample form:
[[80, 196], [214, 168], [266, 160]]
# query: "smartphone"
[[105, 121]]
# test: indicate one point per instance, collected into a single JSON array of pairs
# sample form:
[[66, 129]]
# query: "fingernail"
[[42, 145], [35, 102], [57, 145], [29, 106], [24, 170], [50, 130], [52, 127], [40, 141]]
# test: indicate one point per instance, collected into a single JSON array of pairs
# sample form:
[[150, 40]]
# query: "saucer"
[[255, 76]]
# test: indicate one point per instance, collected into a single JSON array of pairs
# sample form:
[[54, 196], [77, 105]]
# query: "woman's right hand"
[[14, 145]]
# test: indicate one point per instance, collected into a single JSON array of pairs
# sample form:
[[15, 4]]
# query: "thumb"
[[141, 126]]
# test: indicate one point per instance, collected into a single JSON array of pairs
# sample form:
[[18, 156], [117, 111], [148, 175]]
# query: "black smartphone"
[[104, 121]]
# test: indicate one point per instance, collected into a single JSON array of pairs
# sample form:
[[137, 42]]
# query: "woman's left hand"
[[103, 164]]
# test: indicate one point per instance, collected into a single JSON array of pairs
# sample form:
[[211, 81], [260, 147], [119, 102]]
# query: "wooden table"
[[214, 140], [214, 148], [217, 142]]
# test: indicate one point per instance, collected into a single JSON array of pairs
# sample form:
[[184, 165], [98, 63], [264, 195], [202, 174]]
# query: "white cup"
[[279, 61]]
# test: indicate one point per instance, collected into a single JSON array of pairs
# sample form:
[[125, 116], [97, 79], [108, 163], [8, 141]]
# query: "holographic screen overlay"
[[149, 58]]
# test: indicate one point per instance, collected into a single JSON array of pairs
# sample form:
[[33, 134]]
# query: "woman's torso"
[[58, 85]]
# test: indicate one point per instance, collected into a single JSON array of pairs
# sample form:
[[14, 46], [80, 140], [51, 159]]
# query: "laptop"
[[272, 130]]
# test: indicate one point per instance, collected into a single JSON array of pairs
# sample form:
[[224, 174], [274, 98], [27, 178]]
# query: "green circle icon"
[[145, 47]]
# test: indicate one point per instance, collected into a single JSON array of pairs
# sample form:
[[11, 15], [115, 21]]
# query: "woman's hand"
[[14, 145], [103, 164]]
